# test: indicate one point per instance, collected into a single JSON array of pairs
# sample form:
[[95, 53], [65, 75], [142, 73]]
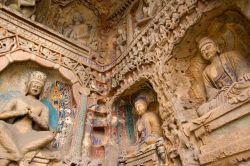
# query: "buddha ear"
[[218, 49], [26, 89]]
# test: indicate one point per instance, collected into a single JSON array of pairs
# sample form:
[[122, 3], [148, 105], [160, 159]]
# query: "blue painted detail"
[[9, 95], [130, 123], [53, 115]]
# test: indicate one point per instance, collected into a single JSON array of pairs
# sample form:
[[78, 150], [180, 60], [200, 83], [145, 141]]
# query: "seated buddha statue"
[[79, 31], [148, 128], [24, 123], [224, 71]]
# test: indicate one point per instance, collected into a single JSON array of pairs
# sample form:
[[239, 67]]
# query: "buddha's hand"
[[24, 112], [31, 113]]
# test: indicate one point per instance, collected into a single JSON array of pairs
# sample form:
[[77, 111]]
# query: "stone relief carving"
[[180, 150], [12, 40], [28, 45], [147, 60], [26, 7], [50, 55], [79, 30], [121, 41], [146, 10], [155, 37], [63, 2], [26, 109], [7, 44], [148, 133], [227, 76], [7, 41], [147, 126]]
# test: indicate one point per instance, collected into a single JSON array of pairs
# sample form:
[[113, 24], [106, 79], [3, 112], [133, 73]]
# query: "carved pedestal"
[[42, 158], [145, 157], [225, 134]]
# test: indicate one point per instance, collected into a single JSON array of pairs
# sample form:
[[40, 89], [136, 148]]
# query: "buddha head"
[[36, 83], [208, 48], [78, 18], [141, 105]]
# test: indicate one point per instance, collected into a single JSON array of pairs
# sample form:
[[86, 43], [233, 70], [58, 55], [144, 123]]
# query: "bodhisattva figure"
[[225, 71], [29, 130], [26, 7], [148, 128], [79, 31]]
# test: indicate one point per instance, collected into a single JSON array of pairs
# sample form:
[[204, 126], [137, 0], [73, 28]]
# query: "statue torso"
[[218, 75], [27, 103], [148, 124]]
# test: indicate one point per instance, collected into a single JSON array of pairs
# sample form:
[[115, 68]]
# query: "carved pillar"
[[79, 128]]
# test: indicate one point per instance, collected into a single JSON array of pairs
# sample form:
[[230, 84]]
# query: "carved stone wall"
[[154, 42]]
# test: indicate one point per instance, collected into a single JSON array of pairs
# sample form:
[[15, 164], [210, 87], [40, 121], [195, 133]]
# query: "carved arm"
[[41, 120], [9, 111]]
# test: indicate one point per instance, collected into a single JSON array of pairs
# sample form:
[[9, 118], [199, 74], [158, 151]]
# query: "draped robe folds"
[[231, 68]]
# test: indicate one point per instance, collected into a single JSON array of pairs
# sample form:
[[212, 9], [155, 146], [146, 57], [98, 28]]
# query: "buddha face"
[[35, 88], [140, 107], [209, 51]]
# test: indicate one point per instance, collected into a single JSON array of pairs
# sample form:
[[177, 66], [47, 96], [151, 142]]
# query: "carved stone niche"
[[221, 129], [56, 98], [137, 127]]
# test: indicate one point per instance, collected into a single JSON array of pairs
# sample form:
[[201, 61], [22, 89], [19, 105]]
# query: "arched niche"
[[57, 96], [229, 27], [124, 117], [21, 56]]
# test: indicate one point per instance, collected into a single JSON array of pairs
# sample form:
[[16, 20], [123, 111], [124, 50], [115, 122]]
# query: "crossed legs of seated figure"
[[13, 151], [9, 150]]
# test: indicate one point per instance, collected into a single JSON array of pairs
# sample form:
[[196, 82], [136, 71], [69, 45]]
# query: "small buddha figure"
[[121, 41], [148, 128], [24, 125], [224, 70], [79, 31], [146, 10]]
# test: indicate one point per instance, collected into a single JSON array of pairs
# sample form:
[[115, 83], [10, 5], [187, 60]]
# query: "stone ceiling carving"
[[106, 7]]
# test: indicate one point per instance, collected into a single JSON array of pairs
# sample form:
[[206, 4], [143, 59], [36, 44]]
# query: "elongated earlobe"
[[26, 90]]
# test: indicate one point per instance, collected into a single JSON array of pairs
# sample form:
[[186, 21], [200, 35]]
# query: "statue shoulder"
[[151, 115], [45, 107], [231, 55], [20, 97]]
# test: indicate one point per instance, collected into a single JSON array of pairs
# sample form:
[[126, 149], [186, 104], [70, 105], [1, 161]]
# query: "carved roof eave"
[[16, 23], [91, 7], [123, 10]]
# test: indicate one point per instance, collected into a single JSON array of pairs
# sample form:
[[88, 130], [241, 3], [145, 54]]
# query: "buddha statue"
[[24, 123], [79, 31], [148, 128], [224, 71]]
